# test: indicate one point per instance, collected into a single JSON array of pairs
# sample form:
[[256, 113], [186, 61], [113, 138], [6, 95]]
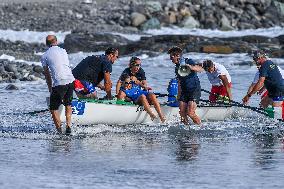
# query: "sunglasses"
[[127, 83], [136, 65], [174, 55]]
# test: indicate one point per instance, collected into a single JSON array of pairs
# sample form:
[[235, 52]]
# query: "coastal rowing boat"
[[112, 112]]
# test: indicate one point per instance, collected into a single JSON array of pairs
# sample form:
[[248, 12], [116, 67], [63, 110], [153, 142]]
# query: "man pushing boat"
[[220, 80], [271, 78], [189, 90], [59, 80], [91, 71]]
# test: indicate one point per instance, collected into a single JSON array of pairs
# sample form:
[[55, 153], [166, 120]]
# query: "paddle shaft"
[[256, 109]]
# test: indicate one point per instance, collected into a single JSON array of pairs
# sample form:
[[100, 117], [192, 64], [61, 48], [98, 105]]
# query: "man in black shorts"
[[59, 80]]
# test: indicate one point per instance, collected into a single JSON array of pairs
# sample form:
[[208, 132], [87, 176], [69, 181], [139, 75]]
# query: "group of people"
[[132, 84]]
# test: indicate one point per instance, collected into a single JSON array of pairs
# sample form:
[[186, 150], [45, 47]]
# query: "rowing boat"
[[112, 112]]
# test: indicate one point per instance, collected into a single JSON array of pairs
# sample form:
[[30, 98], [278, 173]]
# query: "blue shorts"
[[84, 87]]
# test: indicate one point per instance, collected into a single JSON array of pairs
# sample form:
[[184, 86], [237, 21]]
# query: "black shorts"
[[61, 94], [275, 92], [193, 94]]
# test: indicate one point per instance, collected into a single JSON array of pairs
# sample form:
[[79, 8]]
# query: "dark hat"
[[207, 64], [258, 54]]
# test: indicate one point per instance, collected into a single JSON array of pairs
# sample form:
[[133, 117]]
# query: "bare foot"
[[163, 119], [153, 117], [59, 130]]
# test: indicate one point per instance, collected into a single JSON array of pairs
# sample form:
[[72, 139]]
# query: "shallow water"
[[238, 153]]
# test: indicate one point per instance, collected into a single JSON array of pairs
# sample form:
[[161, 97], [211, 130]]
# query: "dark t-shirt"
[[189, 82], [92, 69], [140, 75], [273, 78]]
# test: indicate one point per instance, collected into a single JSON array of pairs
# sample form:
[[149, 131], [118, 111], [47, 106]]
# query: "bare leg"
[[68, 113], [56, 119], [154, 101], [182, 112], [265, 102], [191, 112], [143, 100]]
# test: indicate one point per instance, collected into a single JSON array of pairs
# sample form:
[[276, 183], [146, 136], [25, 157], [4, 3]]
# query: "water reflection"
[[62, 144], [265, 150], [187, 145]]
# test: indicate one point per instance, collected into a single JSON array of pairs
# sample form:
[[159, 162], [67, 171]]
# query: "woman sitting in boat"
[[132, 92], [136, 73]]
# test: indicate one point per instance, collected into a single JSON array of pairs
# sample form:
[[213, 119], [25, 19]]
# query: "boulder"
[[137, 19], [153, 6], [190, 22], [11, 87], [217, 49], [153, 23], [225, 23]]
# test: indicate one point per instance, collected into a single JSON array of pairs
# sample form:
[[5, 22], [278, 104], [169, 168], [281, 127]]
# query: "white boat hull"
[[91, 113]]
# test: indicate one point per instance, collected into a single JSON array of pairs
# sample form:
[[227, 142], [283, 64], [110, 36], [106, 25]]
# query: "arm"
[[226, 83], [107, 84], [47, 78], [118, 85], [256, 88], [250, 87], [196, 68]]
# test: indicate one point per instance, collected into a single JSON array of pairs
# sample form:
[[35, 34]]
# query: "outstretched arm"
[[256, 88], [196, 68], [226, 83]]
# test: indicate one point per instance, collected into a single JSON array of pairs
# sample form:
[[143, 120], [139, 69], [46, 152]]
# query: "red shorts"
[[219, 90]]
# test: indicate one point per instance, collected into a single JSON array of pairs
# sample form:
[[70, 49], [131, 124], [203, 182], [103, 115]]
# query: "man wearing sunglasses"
[[270, 77], [189, 89], [136, 73], [91, 71]]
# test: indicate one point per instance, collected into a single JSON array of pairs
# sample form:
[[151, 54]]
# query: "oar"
[[36, 112], [256, 109]]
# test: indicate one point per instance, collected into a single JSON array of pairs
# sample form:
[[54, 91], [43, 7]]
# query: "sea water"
[[234, 153]]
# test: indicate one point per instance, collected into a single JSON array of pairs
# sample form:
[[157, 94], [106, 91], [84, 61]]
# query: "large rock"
[[153, 23], [190, 22], [220, 49], [137, 19], [225, 23], [153, 6], [92, 42]]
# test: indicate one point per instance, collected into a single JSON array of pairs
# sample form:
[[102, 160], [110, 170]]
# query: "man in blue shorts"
[[270, 76], [189, 90], [92, 70], [59, 80]]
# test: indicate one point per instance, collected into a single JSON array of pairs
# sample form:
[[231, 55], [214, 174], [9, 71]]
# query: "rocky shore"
[[93, 23], [139, 15]]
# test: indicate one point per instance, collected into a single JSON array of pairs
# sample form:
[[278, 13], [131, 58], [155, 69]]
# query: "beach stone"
[[152, 23], [10, 68], [217, 49], [190, 22], [153, 6], [38, 69], [11, 87], [137, 19], [225, 23]]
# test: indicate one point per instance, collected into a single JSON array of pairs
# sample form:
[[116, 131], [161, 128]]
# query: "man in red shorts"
[[220, 79]]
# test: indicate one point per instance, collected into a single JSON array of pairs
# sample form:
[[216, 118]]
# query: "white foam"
[[13, 59], [268, 32], [31, 36]]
